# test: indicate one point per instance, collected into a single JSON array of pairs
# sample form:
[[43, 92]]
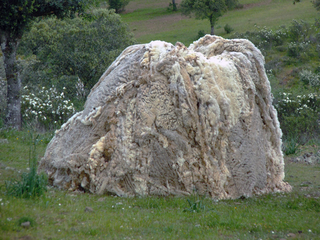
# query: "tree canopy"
[[316, 4], [15, 17], [118, 5], [71, 49], [204, 9]]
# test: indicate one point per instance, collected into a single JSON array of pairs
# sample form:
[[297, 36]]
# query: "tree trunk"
[[9, 47], [212, 22], [174, 6], [212, 30]]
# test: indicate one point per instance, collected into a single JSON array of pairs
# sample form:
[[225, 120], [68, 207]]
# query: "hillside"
[[149, 20]]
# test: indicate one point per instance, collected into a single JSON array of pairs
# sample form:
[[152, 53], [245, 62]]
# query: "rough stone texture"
[[167, 119]]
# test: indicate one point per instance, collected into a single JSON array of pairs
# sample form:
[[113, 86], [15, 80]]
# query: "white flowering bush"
[[46, 107], [299, 115], [310, 78], [296, 49]]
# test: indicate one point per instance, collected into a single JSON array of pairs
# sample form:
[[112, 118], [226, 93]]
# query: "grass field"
[[151, 21], [75, 215]]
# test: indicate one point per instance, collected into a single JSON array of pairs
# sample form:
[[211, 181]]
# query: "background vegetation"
[[58, 68]]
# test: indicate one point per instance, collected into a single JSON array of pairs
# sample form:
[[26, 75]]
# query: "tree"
[[71, 49], [118, 5], [316, 4], [15, 18], [204, 9], [232, 4], [173, 5]]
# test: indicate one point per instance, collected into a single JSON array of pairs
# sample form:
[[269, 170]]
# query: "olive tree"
[[71, 49], [316, 4], [118, 5], [15, 18], [204, 9]]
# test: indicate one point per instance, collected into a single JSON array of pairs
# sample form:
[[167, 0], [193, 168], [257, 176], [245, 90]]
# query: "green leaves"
[[75, 48], [204, 9], [118, 5]]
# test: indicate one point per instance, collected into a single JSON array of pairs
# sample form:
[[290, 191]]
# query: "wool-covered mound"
[[171, 120]]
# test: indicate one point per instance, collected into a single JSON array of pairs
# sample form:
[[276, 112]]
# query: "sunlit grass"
[[158, 24], [63, 215]]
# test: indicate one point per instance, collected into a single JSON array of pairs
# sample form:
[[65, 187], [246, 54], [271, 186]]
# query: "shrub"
[[69, 49], [201, 33], [297, 49], [298, 115], [290, 146], [310, 78], [228, 28], [299, 31], [118, 5], [45, 107], [31, 184]]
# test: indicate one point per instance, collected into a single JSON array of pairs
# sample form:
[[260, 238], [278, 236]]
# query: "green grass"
[[61, 214], [158, 24]]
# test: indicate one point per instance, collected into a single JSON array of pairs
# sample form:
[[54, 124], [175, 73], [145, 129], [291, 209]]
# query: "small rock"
[[25, 224], [9, 169], [282, 239], [88, 209], [4, 141], [101, 199], [292, 235]]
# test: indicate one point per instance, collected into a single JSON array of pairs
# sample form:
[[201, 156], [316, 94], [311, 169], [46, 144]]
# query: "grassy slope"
[[61, 215], [155, 23]]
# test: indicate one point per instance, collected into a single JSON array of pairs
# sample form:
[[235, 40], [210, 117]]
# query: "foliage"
[[196, 204], [290, 146], [297, 49], [72, 49], [298, 114], [203, 9], [232, 4], [31, 184], [173, 6], [201, 33], [16, 16], [118, 5], [15, 19], [299, 31], [316, 4], [46, 107], [265, 38], [228, 28], [308, 77]]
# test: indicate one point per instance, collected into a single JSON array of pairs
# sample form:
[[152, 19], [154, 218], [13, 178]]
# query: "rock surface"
[[167, 119]]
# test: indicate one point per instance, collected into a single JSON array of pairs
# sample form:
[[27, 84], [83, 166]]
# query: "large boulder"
[[170, 120]]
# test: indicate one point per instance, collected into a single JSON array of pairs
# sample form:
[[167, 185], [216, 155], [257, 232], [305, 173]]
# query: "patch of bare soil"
[[134, 5], [155, 25], [251, 5]]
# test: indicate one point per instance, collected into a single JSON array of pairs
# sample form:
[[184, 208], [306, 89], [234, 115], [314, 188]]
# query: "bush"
[[228, 28], [46, 107], [201, 33], [118, 5], [69, 49], [31, 184], [298, 115], [290, 146], [297, 49], [300, 31], [310, 78]]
